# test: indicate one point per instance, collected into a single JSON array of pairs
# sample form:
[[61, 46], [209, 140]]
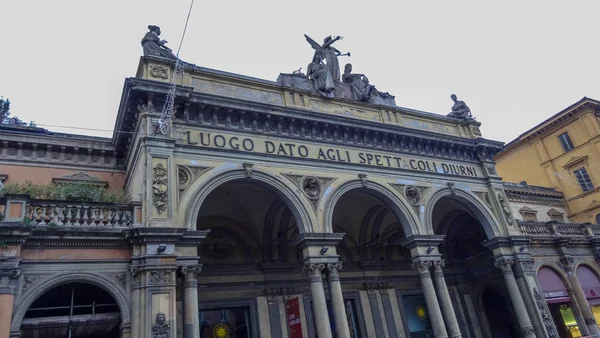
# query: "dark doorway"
[[498, 314], [73, 310]]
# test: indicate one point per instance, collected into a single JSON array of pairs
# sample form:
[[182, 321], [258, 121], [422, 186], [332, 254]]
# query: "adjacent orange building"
[[562, 152]]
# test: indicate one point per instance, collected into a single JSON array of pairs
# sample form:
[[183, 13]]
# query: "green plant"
[[26, 221], [77, 192]]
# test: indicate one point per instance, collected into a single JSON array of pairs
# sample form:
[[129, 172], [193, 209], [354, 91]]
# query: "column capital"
[[524, 267], [190, 274], [333, 271], [8, 279], [314, 271], [505, 264], [422, 267], [438, 268], [526, 331]]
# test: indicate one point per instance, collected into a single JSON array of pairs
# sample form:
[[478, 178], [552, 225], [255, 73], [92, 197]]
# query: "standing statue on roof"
[[331, 54], [460, 109], [154, 46]]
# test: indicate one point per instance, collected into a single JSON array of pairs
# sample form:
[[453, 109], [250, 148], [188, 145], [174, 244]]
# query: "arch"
[[397, 204], [557, 270], [481, 212], [201, 188], [45, 285]]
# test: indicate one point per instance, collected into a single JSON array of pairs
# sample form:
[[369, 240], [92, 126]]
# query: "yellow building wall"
[[523, 163], [543, 162]]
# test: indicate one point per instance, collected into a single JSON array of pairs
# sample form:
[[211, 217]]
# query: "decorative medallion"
[[221, 330], [159, 188], [219, 247], [413, 194], [160, 328], [184, 177], [311, 186], [421, 312], [159, 72]]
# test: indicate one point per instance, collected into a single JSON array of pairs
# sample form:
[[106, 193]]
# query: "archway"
[[559, 302], [469, 264], [247, 254], [497, 312], [374, 226], [72, 310]]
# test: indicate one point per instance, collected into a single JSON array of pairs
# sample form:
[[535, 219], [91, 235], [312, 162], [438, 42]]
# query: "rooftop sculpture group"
[[323, 74]]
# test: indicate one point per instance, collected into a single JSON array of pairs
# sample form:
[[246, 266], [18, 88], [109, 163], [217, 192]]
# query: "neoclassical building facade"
[[266, 209]]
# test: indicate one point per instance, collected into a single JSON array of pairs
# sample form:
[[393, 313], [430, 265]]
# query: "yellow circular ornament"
[[421, 312], [221, 331]]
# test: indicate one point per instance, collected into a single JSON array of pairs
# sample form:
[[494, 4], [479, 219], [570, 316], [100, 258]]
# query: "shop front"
[[591, 287], [559, 303]]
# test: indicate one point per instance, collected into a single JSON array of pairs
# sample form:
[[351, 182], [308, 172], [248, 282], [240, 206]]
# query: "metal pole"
[[71, 310]]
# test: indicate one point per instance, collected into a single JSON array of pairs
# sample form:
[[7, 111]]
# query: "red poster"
[[292, 309]]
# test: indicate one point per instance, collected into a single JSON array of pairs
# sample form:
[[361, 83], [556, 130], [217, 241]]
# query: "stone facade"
[[268, 211]]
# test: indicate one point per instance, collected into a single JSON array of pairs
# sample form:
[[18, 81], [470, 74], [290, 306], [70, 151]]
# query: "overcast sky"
[[514, 63]]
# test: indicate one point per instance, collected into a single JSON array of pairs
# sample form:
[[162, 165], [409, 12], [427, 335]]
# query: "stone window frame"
[[553, 213], [527, 214], [250, 303]]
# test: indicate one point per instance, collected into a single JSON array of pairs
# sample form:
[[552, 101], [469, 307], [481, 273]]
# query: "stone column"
[[318, 299], [136, 310], [525, 326], [584, 307], [337, 300], [191, 322], [8, 283], [445, 302], [435, 314]]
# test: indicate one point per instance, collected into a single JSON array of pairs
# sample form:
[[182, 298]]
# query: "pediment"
[[575, 160], [527, 209], [81, 176]]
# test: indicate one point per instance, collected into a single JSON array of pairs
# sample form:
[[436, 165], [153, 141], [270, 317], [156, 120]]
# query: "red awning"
[[558, 300]]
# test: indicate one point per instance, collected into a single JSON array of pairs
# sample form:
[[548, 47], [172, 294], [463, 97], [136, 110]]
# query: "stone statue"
[[318, 72], [460, 109], [154, 46], [360, 84], [330, 53], [160, 329]]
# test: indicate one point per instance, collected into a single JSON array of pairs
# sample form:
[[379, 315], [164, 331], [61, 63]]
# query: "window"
[[528, 214], [227, 322], [556, 215], [584, 179], [565, 141]]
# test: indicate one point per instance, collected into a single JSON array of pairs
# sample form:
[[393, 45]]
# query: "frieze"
[[161, 277], [159, 72], [305, 150], [159, 188]]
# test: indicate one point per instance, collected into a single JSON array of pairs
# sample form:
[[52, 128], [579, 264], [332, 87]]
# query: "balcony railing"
[[68, 213], [555, 229]]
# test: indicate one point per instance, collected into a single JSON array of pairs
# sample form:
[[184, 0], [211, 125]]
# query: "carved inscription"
[[283, 148]]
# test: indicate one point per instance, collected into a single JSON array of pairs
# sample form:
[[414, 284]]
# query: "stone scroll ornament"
[[160, 328], [539, 300], [159, 188], [505, 208]]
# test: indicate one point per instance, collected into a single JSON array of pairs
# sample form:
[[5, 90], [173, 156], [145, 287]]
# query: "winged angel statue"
[[325, 75]]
